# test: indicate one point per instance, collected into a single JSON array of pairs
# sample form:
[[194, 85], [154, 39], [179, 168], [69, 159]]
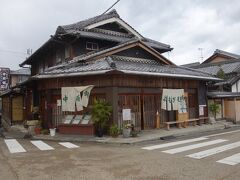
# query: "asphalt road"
[[103, 161]]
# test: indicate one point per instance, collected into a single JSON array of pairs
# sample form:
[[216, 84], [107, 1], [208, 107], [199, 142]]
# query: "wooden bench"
[[204, 119], [178, 123], [195, 121], [184, 124]]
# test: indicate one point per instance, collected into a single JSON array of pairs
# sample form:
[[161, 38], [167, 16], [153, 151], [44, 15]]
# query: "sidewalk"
[[146, 135]]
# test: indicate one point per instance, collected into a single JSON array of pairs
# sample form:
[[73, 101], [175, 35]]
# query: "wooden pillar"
[[235, 110], [112, 98], [10, 108], [158, 120], [223, 108], [48, 109]]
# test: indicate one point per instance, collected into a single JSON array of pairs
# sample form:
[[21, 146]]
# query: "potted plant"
[[114, 131], [52, 129], [134, 131], [126, 131], [45, 131], [214, 109], [101, 112], [37, 130], [38, 127]]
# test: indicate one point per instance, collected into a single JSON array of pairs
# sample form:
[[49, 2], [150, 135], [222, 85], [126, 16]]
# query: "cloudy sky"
[[186, 25]]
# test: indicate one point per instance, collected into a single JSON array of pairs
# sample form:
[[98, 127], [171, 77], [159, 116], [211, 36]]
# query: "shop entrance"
[[143, 109]]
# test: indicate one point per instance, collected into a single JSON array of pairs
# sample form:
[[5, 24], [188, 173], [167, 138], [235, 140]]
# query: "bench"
[[184, 123], [194, 121], [173, 122], [204, 119]]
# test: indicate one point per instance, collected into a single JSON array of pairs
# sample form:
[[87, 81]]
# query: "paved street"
[[213, 156]]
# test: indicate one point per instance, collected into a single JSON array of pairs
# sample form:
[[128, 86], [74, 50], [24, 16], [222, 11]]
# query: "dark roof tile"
[[127, 64]]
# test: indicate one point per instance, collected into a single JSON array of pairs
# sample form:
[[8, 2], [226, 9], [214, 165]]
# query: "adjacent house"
[[13, 97], [126, 69], [224, 65]]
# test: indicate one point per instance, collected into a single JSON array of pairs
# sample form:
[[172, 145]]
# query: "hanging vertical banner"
[[85, 96], [4, 79], [173, 99], [68, 99], [75, 98]]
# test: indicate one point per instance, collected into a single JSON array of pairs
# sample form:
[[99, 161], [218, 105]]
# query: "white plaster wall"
[[234, 88], [238, 86]]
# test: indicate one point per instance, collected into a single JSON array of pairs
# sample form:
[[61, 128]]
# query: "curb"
[[136, 141], [126, 141]]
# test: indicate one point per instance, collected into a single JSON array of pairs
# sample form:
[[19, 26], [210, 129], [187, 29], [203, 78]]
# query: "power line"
[[13, 52], [111, 6]]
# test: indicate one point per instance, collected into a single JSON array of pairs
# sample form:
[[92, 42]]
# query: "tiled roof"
[[213, 68], [223, 94], [227, 55], [104, 36], [218, 51], [190, 65], [79, 28], [82, 24], [125, 64], [22, 71], [229, 81]]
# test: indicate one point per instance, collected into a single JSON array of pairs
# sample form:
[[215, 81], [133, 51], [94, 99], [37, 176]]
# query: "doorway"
[[143, 109]]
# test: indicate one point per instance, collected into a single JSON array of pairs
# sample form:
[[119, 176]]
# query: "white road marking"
[[209, 152], [14, 146], [68, 145], [230, 132], [41, 145], [193, 146], [174, 143], [231, 160]]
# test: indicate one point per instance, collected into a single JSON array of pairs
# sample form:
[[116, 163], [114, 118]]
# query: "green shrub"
[[101, 112], [114, 131], [214, 109]]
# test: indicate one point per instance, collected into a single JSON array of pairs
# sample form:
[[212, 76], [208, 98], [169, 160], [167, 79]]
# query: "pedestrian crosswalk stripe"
[[41, 145], [209, 152], [231, 160], [14, 146], [68, 145], [193, 146], [174, 143]]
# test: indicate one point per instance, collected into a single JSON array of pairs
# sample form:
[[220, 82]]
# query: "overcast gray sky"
[[186, 25]]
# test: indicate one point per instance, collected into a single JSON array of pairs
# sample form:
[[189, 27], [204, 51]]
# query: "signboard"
[[4, 78], [126, 113], [201, 110]]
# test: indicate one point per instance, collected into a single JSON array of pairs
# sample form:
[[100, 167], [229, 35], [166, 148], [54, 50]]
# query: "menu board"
[[4, 78], [126, 113]]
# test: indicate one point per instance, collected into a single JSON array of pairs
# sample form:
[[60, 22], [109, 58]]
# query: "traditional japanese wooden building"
[[226, 93], [126, 69], [13, 97]]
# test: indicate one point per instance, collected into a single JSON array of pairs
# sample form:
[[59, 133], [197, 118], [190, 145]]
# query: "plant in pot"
[[114, 131], [134, 131], [126, 131], [101, 111], [214, 109], [38, 128]]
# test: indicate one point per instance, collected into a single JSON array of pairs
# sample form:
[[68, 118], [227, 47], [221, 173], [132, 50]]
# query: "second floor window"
[[91, 46]]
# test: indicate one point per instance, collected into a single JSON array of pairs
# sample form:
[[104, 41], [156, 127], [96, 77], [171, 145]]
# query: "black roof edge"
[[32, 55]]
